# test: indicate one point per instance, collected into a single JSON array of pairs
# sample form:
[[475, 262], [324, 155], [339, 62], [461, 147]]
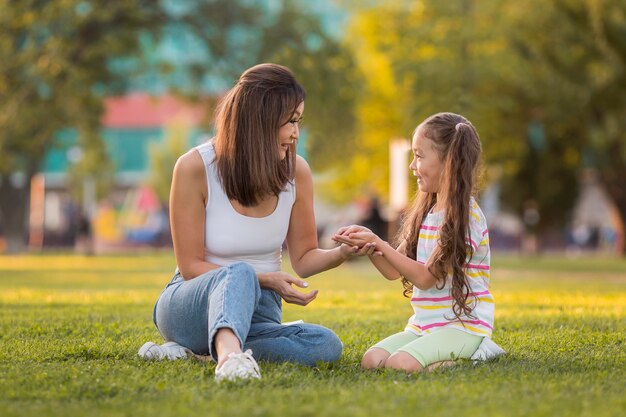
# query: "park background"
[[98, 99]]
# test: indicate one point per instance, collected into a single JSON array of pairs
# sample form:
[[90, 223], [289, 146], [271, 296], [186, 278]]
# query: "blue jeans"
[[191, 312]]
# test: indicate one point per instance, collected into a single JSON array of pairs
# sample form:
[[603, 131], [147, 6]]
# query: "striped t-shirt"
[[433, 307]]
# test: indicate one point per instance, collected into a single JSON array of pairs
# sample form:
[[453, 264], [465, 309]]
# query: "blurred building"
[[129, 126], [131, 123]]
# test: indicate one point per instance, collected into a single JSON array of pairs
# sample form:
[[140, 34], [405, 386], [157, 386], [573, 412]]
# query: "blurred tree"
[[163, 157], [92, 164], [291, 33], [579, 48], [416, 58], [541, 171], [543, 83], [53, 69], [327, 70], [58, 59], [373, 34]]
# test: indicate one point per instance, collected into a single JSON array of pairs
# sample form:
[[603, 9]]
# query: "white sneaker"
[[238, 366], [169, 350], [488, 349]]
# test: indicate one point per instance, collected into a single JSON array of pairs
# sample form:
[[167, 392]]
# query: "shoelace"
[[242, 360]]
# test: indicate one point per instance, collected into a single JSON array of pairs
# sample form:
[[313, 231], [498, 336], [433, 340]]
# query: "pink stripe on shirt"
[[473, 294], [474, 266], [440, 324]]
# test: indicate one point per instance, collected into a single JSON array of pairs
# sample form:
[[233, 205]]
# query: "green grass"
[[70, 328]]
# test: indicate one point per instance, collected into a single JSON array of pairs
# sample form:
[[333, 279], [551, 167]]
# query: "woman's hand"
[[282, 283]]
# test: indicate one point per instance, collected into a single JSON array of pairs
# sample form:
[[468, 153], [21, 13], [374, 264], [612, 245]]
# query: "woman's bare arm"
[[188, 196], [306, 257]]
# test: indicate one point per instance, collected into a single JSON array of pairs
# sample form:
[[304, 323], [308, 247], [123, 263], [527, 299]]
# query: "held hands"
[[282, 283], [358, 240], [354, 240]]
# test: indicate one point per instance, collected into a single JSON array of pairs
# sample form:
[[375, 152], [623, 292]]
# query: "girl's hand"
[[359, 239], [282, 283], [355, 235], [346, 230], [349, 250], [366, 243]]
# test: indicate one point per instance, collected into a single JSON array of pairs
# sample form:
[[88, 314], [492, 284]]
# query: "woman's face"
[[426, 164], [289, 132]]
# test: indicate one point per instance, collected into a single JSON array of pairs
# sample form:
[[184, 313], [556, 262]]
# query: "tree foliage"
[[419, 58], [326, 68], [239, 34], [163, 157], [542, 82], [59, 59], [583, 49], [53, 58]]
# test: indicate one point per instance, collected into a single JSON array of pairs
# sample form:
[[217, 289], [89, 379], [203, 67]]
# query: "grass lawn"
[[70, 328]]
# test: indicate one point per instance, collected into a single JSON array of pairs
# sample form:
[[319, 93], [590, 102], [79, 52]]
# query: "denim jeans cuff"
[[221, 325]]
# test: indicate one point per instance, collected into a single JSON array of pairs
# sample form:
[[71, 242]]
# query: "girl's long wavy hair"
[[247, 121], [458, 146]]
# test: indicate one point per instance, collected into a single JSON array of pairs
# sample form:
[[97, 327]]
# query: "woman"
[[234, 201]]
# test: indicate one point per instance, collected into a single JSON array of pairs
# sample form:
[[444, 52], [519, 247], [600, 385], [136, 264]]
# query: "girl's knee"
[[404, 362], [374, 358]]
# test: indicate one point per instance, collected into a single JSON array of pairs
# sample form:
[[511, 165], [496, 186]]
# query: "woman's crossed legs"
[[225, 307]]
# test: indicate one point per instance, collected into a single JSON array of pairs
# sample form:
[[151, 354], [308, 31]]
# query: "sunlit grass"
[[70, 327]]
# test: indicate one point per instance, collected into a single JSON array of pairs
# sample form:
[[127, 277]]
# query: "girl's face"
[[426, 164], [289, 132]]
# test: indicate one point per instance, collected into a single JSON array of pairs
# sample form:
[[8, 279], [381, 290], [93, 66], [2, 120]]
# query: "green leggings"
[[442, 345]]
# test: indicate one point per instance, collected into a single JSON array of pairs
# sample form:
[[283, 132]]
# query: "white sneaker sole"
[[170, 351]]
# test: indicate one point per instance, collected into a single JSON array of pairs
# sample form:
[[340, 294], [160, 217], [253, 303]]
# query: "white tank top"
[[230, 236]]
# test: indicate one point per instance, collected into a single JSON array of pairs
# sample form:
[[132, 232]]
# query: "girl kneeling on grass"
[[443, 255]]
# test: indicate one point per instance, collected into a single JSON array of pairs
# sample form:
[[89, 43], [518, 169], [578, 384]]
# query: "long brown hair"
[[247, 121], [458, 146]]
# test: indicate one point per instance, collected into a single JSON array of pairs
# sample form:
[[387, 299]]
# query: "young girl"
[[442, 258]]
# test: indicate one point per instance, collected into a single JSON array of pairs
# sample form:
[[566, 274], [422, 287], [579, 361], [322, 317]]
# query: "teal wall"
[[127, 148], [179, 47]]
